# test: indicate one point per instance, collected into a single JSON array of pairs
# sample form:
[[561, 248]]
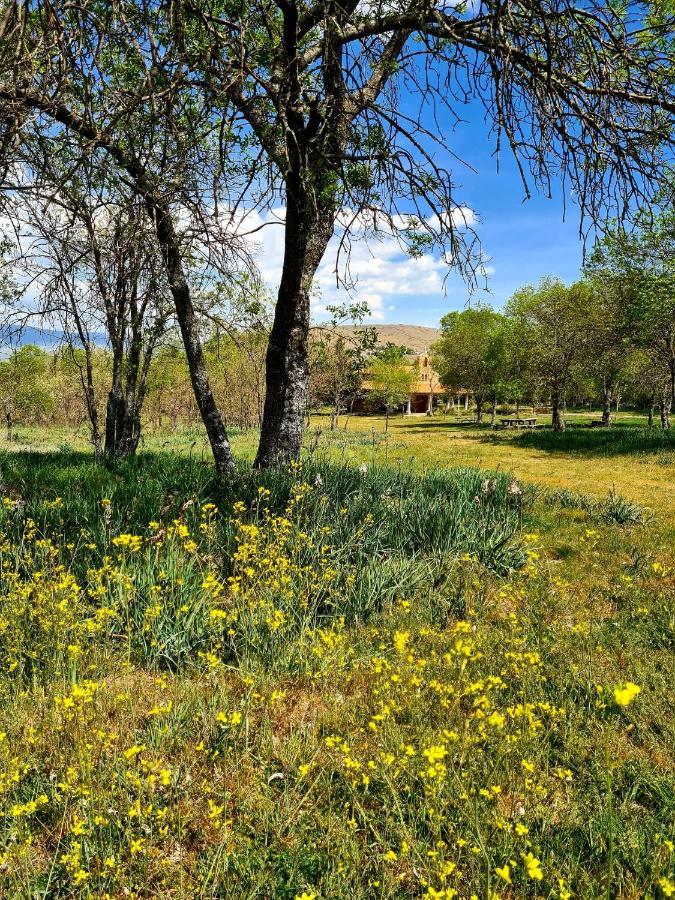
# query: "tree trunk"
[[607, 392], [493, 412], [665, 407], [517, 409], [9, 421], [479, 409], [90, 400], [187, 320], [287, 365], [557, 419], [650, 412]]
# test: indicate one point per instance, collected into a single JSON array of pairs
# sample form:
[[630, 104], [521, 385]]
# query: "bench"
[[528, 422]]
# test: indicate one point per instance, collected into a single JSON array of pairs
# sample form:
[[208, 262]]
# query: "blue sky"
[[523, 241]]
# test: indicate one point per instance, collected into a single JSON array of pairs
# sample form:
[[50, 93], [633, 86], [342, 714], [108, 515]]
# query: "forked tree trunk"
[[287, 364], [557, 419]]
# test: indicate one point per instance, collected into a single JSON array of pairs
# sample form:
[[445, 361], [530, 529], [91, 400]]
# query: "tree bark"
[[607, 393], [479, 409], [665, 406], [287, 363], [187, 321], [87, 381], [650, 412], [557, 419], [493, 412]]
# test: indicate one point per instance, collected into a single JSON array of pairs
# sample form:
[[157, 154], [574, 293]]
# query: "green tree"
[[637, 268], [340, 357], [24, 386], [554, 321], [470, 352], [391, 380]]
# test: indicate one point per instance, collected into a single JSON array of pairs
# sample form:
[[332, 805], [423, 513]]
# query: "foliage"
[[23, 388], [200, 707], [391, 381]]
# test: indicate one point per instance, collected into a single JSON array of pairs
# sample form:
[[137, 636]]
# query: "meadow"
[[436, 662]]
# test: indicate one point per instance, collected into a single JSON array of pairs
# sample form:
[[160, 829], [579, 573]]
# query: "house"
[[427, 391]]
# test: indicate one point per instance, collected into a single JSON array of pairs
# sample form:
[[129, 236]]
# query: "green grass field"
[[410, 679]]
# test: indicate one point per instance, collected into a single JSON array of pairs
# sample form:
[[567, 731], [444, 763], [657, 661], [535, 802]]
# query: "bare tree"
[[103, 85], [96, 271], [578, 92]]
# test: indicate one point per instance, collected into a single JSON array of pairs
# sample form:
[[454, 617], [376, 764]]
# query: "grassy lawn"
[[637, 462], [408, 681]]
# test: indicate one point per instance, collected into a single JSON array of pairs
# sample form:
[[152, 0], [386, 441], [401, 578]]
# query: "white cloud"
[[378, 272]]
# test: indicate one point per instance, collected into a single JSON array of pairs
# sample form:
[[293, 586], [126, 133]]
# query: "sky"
[[522, 241]]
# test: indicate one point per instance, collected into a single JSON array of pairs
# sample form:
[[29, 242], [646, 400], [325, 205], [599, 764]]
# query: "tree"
[[610, 341], [638, 268], [341, 357], [101, 86], [310, 95], [555, 320], [23, 385], [466, 354], [391, 379], [92, 251]]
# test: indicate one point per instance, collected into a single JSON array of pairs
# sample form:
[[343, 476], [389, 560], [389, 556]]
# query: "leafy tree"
[[638, 269], [391, 379], [610, 341], [24, 385], [554, 320], [340, 357], [470, 352]]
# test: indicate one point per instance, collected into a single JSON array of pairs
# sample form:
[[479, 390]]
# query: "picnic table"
[[526, 422]]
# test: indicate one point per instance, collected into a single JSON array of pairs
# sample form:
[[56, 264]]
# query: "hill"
[[418, 337]]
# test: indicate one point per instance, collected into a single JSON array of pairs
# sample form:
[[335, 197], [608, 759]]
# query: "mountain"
[[417, 337], [45, 338]]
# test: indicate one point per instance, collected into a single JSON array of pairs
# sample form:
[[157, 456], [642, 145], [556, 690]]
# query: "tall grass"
[[349, 542]]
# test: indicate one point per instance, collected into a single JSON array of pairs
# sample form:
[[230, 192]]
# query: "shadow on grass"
[[615, 441]]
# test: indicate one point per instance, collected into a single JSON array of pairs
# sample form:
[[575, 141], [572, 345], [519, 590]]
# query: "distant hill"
[[418, 337], [45, 338]]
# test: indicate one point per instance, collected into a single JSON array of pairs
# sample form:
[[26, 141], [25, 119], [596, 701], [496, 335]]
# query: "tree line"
[[58, 387], [154, 130], [611, 332]]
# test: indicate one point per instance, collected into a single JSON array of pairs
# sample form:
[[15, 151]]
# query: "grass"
[[335, 682]]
